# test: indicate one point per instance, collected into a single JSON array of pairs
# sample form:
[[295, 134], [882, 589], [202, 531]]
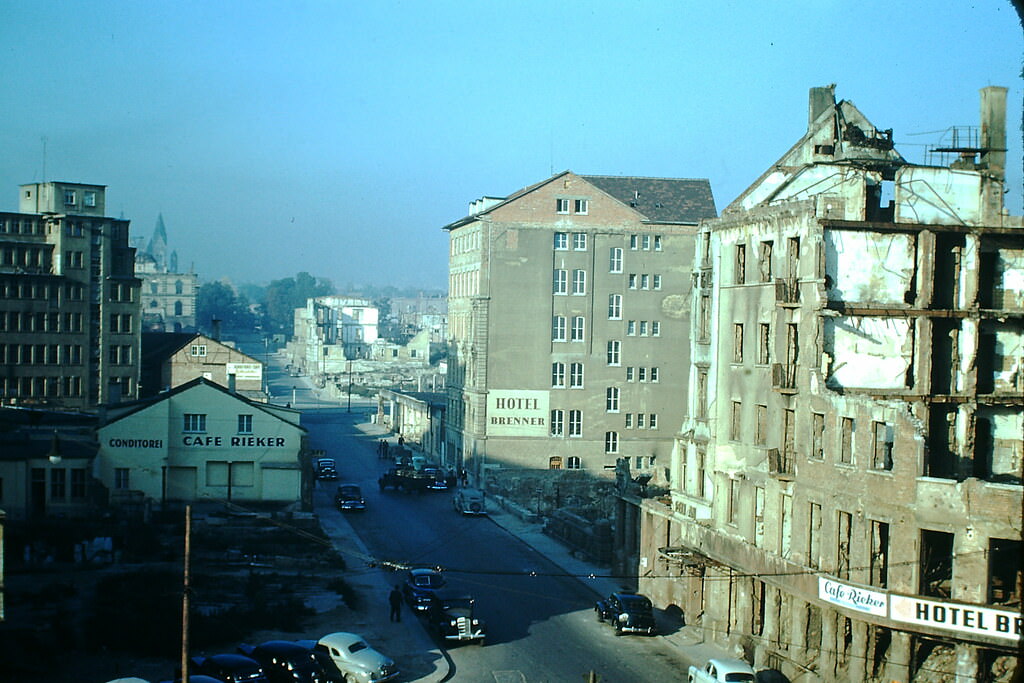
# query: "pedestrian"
[[401, 440], [464, 477], [395, 600]]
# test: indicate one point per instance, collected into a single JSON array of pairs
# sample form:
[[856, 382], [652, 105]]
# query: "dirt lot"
[[254, 577]]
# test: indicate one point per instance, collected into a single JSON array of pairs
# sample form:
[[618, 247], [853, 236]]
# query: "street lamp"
[[348, 368]]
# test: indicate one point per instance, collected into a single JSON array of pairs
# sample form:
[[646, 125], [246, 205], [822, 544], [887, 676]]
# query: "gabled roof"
[[132, 407], [659, 200]]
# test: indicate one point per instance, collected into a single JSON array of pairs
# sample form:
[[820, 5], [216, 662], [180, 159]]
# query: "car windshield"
[[458, 603], [740, 677], [357, 646], [637, 605], [428, 581], [349, 491]]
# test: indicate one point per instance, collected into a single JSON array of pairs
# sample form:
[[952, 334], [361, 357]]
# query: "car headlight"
[[623, 617], [455, 622], [476, 622]]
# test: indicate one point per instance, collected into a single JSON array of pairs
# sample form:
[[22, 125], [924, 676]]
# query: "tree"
[[284, 296], [218, 301]]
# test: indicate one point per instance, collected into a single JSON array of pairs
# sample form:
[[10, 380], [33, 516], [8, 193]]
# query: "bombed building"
[[846, 488]]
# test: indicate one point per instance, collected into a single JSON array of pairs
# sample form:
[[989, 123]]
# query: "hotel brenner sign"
[[512, 412]]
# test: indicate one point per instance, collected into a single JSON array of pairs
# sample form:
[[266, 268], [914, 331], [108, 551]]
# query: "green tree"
[[219, 301], [284, 296]]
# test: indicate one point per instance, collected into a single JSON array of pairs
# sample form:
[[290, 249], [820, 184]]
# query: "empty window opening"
[[948, 253], [1004, 571], [879, 567], [843, 535], [936, 563]]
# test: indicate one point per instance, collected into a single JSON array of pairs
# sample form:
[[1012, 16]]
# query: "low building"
[[200, 441], [171, 359]]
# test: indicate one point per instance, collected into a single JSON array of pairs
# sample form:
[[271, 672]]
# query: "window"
[[629, 420], [121, 478], [655, 374], [558, 375], [615, 307], [657, 243], [814, 536], [578, 328], [611, 400], [643, 328], [194, 423], [615, 260], [199, 350], [634, 242], [704, 319], [78, 483], [656, 281], [561, 206], [575, 423], [70, 197], [560, 281], [245, 424], [882, 455], [843, 537], [632, 281], [631, 328], [579, 240], [741, 264], [761, 428], [642, 374], [89, 199], [580, 206], [576, 375], [817, 436], [555, 462], [879, 568], [736, 422], [764, 343], [655, 328], [645, 281], [557, 422], [614, 352], [640, 422], [846, 440], [579, 281], [630, 373], [573, 462], [558, 328], [652, 421], [58, 483], [766, 261], [561, 241], [737, 343], [611, 442], [733, 501]]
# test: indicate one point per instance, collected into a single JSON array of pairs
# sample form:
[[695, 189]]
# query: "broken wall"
[[869, 267], [869, 352], [939, 196]]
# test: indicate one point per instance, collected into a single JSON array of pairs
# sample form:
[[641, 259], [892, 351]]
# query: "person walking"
[[395, 599]]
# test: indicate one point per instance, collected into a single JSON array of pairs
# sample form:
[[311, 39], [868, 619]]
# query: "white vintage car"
[[357, 660]]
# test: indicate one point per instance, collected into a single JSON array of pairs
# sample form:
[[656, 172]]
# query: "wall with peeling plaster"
[[867, 268]]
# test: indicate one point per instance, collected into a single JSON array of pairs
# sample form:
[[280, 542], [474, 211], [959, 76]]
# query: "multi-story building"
[[168, 296], [171, 359], [846, 488], [69, 300], [567, 315], [331, 330]]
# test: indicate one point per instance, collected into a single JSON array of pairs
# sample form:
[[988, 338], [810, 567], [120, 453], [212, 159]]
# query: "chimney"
[[820, 99], [215, 324], [993, 130]]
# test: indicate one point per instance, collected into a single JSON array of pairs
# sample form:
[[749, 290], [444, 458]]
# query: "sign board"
[[852, 597], [246, 371], [512, 412], [959, 618]]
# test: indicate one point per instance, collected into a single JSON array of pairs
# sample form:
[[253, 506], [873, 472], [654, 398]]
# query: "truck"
[[722, 670], [405, 479]]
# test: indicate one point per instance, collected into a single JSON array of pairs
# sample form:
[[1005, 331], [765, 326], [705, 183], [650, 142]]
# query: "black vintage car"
[[349, 497], [627, 612], [285, 661], [452, 618], [421, 584]]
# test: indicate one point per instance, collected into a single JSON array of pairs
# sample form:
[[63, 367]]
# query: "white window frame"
[[611, 442], [245, 424], [561, 205], [194, 423], [656, 281], [655, 374], [655, 328], [198, 350], [615, 307], [579, 282], [614, 352], [652, 421], [611, 400], [645, 241], [558, 328], [558, 422], [579, 241], [576, 376], [657, 243], [560, 281], [573, 463], [581, 206], [631, 328], [645, 281], [634, 242], [578, 329], [561, 241], [629, 420], [615, 260], [632, 280], [558, 375], [89, 199], [575, 424]]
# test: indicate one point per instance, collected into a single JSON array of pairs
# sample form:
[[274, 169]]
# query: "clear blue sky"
[[339, 137]]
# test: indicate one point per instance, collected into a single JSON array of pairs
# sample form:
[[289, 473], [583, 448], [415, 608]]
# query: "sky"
[[339, 137]]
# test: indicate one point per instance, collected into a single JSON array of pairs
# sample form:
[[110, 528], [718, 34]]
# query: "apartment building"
[[568, 315], [331, 330], [846, 488], [69, 300]]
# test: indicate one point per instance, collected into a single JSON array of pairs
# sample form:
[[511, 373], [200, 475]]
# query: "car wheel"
[[481, 642], [597, 611], [618, 630]]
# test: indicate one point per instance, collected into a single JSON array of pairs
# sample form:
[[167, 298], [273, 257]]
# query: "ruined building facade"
[[69, 300], [846, 487], [567, 303]]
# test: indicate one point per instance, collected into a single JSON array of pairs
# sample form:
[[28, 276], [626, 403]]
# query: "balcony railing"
[[784, 378]]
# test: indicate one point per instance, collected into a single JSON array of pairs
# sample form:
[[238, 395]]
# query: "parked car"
[[451, 617], [469, 501], [229, 668], [285, 661], [436, 479], [356, 660], [349, 497], [421, 583], [770, 676], [627, 612], [721, 670], [326, 469]]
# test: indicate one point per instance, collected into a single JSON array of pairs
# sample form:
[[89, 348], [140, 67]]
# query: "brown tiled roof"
[[662, 200]]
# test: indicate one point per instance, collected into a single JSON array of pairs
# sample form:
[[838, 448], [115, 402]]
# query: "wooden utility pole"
[[186, 593]]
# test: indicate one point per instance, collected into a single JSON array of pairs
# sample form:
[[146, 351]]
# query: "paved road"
[[541, 625]]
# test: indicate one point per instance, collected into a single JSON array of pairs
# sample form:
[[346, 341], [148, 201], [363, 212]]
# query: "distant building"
[[330, 330], [168, 296], [172, 359], [846, 497], [69, 300], [567, 320], [200, 441]]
